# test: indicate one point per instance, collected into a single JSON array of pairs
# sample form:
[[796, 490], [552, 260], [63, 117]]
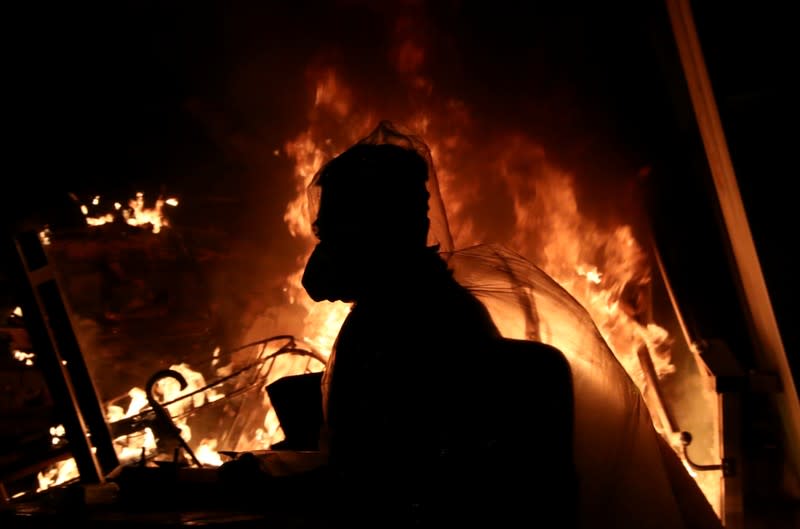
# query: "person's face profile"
[[337, 267]]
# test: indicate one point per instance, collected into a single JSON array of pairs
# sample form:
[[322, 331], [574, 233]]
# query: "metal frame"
[[59, 356], [764, 331]]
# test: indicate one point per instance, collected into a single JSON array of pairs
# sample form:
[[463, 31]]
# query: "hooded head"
[[371, 212]]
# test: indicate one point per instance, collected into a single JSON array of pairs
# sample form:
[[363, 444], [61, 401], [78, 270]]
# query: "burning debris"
[[135, 214], [26, 358], [234, 401]]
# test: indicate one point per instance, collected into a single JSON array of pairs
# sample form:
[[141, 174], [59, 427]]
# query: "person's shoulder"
[[466, 310], [535, 356], [540, 349]]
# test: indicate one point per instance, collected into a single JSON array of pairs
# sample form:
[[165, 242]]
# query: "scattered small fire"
[[44, 236], [22, 356], [132, 447], [57, 434], [135, 214]]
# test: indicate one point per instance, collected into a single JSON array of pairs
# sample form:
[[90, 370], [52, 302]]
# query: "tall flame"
[[604, 268]]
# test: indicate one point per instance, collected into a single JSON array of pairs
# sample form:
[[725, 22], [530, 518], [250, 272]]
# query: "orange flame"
[[600, 266], [136, 214], [604, 268], [130, 448]]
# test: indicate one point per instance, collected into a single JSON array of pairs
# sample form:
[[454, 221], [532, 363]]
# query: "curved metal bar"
[[163, 419], [686, 440]]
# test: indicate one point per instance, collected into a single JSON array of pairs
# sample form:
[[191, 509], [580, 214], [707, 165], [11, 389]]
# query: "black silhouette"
[[424, 424]]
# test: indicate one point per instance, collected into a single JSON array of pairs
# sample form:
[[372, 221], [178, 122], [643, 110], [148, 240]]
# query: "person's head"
[[372, 208]]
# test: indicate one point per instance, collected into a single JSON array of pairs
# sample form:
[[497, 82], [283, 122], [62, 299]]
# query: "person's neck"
[[403, 274]]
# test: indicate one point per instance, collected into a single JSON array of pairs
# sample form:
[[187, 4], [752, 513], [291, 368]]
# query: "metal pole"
[[765, 333]]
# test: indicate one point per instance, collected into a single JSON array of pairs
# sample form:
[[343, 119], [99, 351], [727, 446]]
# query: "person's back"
[[424, 424], [435, 418], [399, 396]]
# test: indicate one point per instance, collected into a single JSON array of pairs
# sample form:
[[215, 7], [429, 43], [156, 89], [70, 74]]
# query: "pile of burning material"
[[163, 471], [235, 403], [158, 425]]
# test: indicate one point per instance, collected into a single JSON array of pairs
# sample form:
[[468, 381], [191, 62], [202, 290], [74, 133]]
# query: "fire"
[[59, 473], [57, 434], [25, 358], [136, 214], [604, 267], [132, 447], [44, 236], [263, 429], [168, 390]]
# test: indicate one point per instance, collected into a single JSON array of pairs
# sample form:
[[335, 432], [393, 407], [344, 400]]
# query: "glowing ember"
[[99, 221], [44, 236], [25, 358], [131, 447], [57, 434]]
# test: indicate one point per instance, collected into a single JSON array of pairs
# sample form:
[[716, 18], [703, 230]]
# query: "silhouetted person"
[[425, 423]]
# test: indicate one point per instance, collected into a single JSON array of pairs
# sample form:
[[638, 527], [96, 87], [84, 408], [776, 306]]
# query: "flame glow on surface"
[[57, 434], [44, 237]]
